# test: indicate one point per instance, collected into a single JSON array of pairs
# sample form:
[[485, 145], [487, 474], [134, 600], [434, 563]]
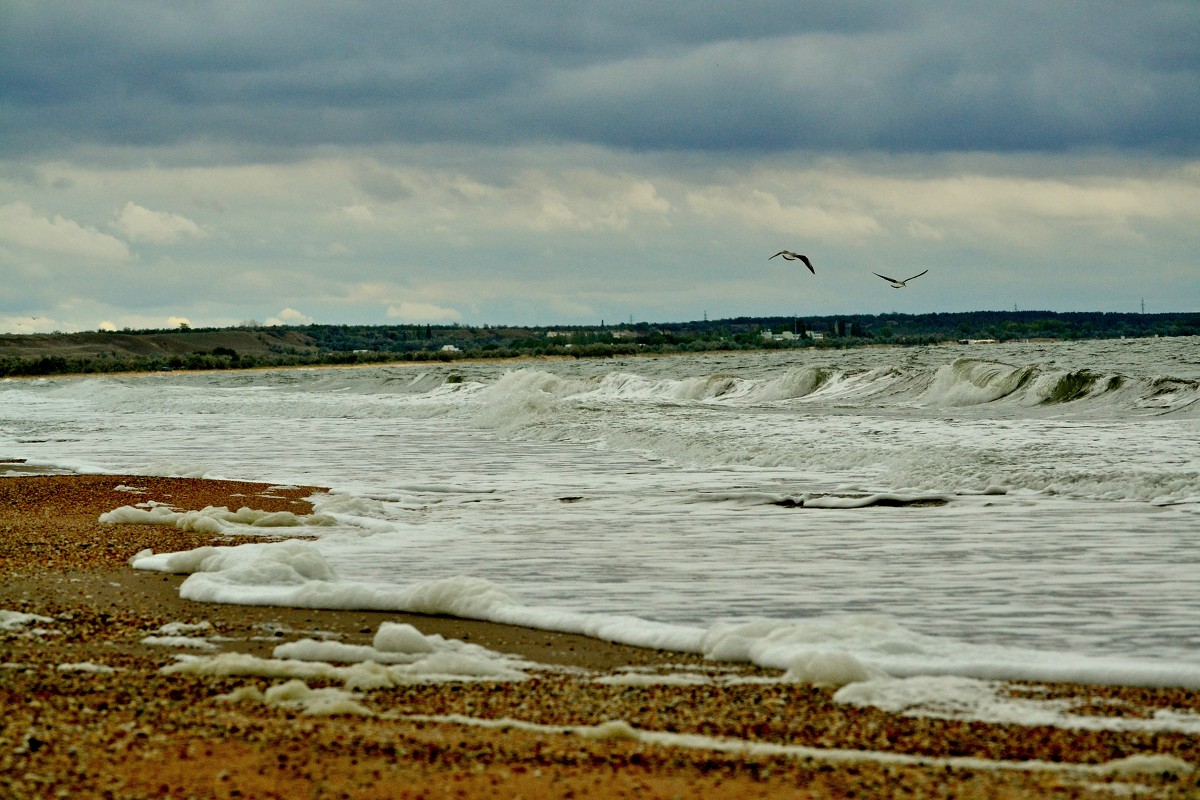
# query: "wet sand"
[[88, 713]]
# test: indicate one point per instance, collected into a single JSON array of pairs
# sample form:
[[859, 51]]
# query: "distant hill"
[[139, 351], [175, 343]]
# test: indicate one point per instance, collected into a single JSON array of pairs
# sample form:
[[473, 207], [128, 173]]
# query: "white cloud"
[[937, 202], [920, 230], [538, 200], [19, 225], [328, 250], [422, 312], [764, 210], [290, 316], [132, 321], [1024, 210], [573, 235], [359, 213], [157, 227], [584, 200]]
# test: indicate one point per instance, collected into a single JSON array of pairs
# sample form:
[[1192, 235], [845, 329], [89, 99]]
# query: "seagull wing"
[[780, 253], [919, 274], [886, 278], [807, 263]]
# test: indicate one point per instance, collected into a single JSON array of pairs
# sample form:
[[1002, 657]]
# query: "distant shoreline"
[[519, 359], [125, 352]]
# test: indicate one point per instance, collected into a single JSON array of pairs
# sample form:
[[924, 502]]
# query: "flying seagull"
[[788, 255], [899, 284]]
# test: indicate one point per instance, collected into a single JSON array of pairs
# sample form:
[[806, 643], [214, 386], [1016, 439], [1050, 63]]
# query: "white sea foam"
[[393, 637], [829, 668], [215, 520], [183, 628], [828, 650], [953, 697], [87, 666], [296, 694], [425, 657], [1016, 510], [16, 620], [188, 642], [399, 655]]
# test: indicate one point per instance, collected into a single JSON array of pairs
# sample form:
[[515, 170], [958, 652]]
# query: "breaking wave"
[[960, 384]]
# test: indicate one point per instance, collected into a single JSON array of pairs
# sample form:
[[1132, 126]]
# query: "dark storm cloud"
[[745, 76]]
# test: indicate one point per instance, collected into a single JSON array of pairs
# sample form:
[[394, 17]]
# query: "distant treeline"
[[371, 344], [746, 332]]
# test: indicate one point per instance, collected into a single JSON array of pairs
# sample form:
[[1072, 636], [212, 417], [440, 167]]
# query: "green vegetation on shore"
[[249, 346]]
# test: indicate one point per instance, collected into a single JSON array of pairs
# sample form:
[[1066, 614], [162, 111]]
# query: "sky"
[[215, 163]]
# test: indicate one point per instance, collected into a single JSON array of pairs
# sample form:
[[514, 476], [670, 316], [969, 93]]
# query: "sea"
[[987, 511]]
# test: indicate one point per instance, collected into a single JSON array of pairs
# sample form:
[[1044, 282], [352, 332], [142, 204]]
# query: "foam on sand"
[[16, 620], [954, 697], [217, 520], [296, 694], [87, 666], [399, 655]]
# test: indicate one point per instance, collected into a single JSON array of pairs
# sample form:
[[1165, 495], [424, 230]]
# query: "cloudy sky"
[[529, 163]]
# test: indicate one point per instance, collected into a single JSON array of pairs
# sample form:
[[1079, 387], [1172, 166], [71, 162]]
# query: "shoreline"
[[523, 359], [89, 710], [277, 367]]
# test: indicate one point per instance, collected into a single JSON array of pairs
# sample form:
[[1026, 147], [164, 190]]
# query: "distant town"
[[251, 345]]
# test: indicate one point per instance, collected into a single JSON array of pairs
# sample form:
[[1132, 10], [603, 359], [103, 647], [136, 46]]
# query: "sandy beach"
[[88, 710]]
